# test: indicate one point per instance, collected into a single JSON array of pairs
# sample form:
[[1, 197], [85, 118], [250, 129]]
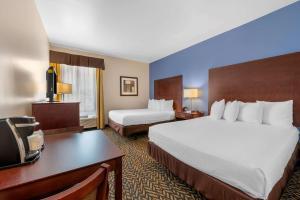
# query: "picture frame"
[[129, 86]]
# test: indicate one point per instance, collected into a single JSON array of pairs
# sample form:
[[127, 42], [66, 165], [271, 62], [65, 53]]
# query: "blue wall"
[[274, 34]]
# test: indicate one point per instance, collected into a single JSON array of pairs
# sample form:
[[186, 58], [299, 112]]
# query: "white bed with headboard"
[[167, 100], [243, 150]]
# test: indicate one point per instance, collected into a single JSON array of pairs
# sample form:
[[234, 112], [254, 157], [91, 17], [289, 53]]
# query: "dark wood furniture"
[[57, 115], [270, 79], [185, 115], [66, 160], [74, 129], [132, 129], [169, 89], [98, 182]]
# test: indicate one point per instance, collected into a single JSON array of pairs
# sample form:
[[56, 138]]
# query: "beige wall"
[[24, 60], [23, 57], [114, 68]]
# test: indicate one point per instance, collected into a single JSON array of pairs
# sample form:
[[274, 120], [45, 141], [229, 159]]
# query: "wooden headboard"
[[170, 89], [271, 79]]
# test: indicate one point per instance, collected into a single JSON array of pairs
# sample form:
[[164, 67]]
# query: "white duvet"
[[250, 157], [140, 116]]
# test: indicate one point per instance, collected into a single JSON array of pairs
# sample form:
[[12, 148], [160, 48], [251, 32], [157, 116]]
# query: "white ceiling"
[[145, 30]]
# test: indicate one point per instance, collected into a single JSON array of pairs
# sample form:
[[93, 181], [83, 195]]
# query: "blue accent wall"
[[274, 34]]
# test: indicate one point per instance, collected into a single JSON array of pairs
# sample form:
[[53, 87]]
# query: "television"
[[51, 83]]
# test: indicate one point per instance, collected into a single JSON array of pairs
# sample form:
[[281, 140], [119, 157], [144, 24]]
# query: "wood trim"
[[74, 129], [170, 89], [270, 79], [132, 129]]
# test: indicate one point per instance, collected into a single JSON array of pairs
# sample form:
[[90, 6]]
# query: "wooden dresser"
[[56, 115]]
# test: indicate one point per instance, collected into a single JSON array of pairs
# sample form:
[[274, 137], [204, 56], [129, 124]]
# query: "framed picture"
[[128, 86]]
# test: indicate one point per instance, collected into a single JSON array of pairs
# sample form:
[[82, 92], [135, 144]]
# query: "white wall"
[[23, 57], [114, 68]]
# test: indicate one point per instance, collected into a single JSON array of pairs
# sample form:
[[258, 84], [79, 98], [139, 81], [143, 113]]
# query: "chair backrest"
[[97, 181]]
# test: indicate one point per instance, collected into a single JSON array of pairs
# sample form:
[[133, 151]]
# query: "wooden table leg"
[[118, 179]]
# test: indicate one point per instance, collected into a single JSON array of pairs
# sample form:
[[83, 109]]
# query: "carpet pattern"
[[145, 179]]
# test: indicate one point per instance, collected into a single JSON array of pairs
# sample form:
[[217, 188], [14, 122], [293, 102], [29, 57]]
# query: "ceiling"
[[145, 30]]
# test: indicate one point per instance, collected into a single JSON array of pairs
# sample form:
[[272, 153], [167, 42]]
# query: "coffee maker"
[[19, 143]]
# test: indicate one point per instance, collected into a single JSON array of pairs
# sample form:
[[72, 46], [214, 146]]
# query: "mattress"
[[140, 116], [250, 157]]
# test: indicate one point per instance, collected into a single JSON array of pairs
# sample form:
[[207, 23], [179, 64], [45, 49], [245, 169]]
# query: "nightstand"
[[185, 115]]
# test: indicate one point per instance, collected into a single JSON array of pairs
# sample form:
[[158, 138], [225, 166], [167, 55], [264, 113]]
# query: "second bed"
[[250, 157]]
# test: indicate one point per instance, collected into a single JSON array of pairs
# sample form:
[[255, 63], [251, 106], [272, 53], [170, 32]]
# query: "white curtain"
[[83, 80]]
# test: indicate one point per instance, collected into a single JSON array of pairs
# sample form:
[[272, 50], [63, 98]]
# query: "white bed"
[[140, 116], [250, 157]]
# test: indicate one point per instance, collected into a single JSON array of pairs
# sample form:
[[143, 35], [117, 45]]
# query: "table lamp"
[[64, 88], [191, 93]]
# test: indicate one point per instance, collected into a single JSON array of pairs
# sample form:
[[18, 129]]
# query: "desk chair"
[[97, 181]]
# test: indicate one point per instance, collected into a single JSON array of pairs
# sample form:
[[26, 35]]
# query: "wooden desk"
[[67, 159]]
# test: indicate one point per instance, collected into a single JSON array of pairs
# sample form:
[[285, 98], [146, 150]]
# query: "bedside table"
[[185, 115]]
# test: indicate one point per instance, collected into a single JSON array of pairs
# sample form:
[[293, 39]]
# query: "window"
[[83, 80]]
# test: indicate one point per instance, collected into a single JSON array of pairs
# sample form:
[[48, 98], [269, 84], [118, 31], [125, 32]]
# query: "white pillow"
[[155, 104], [151, 104], [217, 109], [167, 105], [160, 104], [278, 113], [231, 111], [250, 112]]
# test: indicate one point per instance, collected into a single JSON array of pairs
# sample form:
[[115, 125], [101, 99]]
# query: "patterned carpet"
[[144, 178]]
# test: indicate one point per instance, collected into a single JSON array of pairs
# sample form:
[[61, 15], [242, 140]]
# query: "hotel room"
[[149, 100]]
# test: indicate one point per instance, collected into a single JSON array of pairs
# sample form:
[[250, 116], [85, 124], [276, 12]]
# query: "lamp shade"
[[64, 88], [191, 93]]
